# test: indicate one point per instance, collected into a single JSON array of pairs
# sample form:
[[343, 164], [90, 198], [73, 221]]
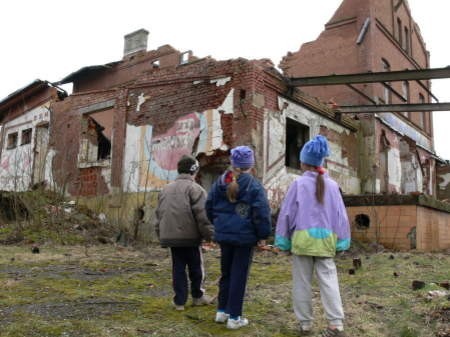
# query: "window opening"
[[406, 95], [423, 115], [406, 40], [96, 139], [387, 93], [156, 64], [11, 142], [184, 57], [26, 136], [297, 135], [399, 31], [405, 89]]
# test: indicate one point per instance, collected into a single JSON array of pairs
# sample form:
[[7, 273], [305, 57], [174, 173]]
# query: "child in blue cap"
[[313, 225], [239, 210]]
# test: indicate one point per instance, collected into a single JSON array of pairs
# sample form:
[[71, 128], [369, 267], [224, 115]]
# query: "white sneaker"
[[178, 307], [221, 317], [204, 300], [236, 323]]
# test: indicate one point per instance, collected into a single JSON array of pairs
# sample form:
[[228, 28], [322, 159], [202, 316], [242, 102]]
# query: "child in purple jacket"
[[313, 225]]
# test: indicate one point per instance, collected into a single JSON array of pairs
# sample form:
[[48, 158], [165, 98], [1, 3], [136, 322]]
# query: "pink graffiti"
[[177, 141], [5, 163]]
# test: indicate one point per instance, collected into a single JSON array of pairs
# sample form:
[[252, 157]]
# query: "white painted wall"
[[16, 165], [394, 168]]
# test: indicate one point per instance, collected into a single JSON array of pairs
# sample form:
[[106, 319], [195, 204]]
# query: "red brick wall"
[[336, 52], [170, 93], [65, 136], [90, 182]]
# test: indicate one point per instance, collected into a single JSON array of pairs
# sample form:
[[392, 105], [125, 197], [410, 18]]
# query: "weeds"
[[117, 292]]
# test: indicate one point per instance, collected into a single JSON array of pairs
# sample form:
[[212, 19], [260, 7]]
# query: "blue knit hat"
[[314, 151], [242, 157]]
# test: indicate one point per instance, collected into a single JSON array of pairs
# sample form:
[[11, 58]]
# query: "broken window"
[[26, 136], [405, 44], [423, 115], [406, 96], [405, 89], [399, 31], [387, 91], [184, 57], [11, 141], [96, 137], [156, 64], [297, 135]]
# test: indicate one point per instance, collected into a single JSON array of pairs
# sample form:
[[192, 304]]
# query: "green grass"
[[112, 291]]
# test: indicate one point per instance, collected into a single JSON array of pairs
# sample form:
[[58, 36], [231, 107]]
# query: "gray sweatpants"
[[302, 273]]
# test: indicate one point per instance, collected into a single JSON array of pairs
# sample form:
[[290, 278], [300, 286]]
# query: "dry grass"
[[115, 291]]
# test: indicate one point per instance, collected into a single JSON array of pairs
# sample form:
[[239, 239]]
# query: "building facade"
[[127, 123], [25, 157], [374, 36]]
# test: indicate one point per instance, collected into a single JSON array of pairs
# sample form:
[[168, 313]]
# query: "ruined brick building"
[[397, 153], [125, 125], [373, 36], [154, 106]]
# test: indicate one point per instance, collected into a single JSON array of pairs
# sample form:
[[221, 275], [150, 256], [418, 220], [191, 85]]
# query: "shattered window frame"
[[92, 152]]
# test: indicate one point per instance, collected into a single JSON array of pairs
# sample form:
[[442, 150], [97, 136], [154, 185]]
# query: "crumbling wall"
[[443, 181], [151, 160], [186, 111], [393, 160], [77, 168], [342, 164]]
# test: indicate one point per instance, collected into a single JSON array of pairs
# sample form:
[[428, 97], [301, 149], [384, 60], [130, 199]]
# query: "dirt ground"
[[109, 290]]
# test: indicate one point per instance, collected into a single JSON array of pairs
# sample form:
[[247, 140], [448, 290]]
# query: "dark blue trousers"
[[192, 258], [235, 265]]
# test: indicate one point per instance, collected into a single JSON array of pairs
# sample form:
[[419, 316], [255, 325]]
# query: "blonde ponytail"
[[320, 188], [233, 187]]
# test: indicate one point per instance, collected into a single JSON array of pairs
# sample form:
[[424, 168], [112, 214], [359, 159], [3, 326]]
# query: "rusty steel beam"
[[395, 92], [424, 87], [361, 93], [390, 76], [394, 108]]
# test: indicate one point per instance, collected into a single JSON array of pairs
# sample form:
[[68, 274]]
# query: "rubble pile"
[[41, 217]]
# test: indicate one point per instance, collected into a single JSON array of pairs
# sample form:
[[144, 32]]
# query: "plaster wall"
[[17, 163]]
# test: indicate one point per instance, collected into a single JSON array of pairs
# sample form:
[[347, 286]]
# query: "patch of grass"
[[120, 292]]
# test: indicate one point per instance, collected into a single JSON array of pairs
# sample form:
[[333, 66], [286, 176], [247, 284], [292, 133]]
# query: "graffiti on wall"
[[151, 160], [163, 151]]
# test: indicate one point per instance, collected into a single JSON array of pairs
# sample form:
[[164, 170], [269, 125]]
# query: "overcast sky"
[[49, 39]]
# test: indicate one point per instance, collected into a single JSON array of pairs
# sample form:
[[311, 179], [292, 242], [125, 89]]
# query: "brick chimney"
[[134, 42]]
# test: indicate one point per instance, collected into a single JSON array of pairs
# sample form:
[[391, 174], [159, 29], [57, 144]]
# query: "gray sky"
[[49, 39]]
